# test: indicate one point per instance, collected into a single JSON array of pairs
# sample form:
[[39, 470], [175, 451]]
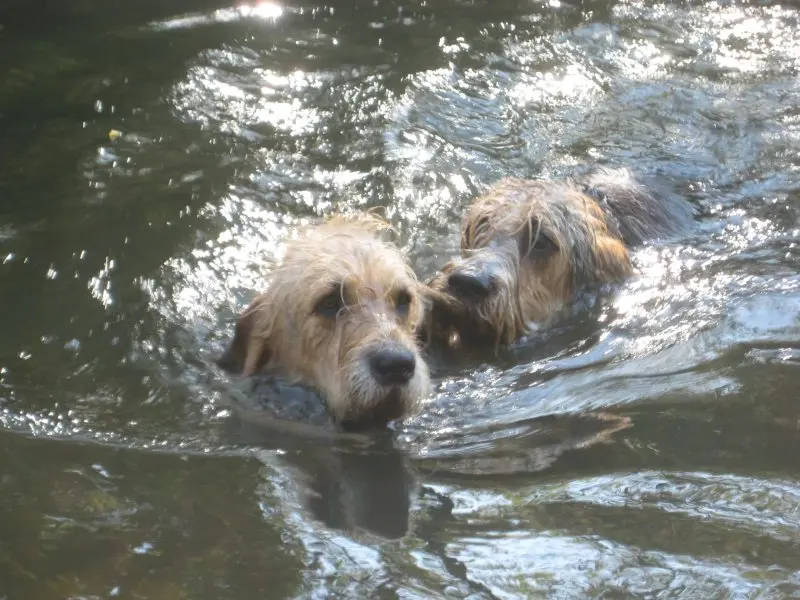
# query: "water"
[[645, 449]]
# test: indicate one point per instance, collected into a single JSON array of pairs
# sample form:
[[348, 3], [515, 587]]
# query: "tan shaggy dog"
[[341, 315], [530, 246]]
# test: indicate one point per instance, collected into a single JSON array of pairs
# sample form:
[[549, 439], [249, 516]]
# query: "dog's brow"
[[333, 287]]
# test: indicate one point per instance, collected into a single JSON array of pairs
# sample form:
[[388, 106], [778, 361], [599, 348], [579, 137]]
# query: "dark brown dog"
[[341, 315], [529, 247]]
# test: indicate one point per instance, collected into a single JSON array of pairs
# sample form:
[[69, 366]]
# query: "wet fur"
[[541, 242], [283, 332]]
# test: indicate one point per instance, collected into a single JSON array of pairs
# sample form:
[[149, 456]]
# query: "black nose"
[[392, 366], [470, 284]]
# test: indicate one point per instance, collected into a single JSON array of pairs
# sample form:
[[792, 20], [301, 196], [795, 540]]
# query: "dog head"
[[341, 315], [527, 248]]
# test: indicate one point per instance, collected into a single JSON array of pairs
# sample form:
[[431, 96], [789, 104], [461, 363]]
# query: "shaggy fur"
[[530, 246], [341, 315]]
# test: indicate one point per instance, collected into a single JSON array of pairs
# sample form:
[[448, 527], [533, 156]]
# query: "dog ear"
[[249, 350], [612, 262]]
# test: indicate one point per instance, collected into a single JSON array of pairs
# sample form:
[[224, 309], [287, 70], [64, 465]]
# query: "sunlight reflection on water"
[[268, 11], [686, 489]]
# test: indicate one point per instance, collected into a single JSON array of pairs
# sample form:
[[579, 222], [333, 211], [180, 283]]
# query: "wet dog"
[[530, 246], [340, 315]]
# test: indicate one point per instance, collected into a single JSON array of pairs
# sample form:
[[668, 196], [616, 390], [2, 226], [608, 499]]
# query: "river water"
[[647, 448]]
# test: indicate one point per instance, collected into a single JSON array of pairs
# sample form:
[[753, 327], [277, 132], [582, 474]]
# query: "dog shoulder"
[[644, 209]]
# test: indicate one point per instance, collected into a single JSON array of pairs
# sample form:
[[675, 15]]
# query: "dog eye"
[[329, 305], [539, 246], [402, 303], [482, 225], [481, 229], [473, 234], [543, 244]]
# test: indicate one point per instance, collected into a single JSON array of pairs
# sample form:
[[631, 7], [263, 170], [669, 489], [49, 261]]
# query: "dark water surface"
[[650, 449]]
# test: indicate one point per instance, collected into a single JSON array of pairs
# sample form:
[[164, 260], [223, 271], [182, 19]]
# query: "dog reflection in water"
[[359, 490], [529, 247], [341, 315], [351, 481]]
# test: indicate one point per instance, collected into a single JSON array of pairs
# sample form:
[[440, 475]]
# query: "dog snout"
[[471, 284], [393, 366]]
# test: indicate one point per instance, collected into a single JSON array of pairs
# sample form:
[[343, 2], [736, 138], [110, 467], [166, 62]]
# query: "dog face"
[[527, 248], [341, 315]]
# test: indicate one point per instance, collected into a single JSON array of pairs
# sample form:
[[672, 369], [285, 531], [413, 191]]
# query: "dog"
[[529, 247], [341, 315]]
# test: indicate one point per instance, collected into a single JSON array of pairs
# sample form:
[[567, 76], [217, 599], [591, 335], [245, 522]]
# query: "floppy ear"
[[249, 350], [612, 262]]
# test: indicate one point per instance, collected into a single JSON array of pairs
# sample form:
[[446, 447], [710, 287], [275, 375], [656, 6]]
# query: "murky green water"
[[647, 450]]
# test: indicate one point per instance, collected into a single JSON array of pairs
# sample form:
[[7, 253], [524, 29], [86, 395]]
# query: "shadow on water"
[[349, 482], [155, 156]]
